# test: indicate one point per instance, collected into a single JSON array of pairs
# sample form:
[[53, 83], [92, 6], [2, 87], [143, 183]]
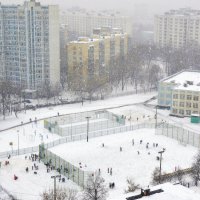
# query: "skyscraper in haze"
[[81, 22], [29, 44], [177, 28]]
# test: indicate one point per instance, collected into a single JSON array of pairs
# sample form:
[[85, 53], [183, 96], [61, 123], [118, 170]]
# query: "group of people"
[[111, 185], [33, 157]]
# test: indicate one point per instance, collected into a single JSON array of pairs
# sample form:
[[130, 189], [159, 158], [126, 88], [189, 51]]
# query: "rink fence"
[[178, 133], [73, 138], [75, 124], [64, 167]]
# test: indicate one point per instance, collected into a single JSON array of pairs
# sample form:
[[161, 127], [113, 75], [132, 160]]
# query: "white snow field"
[[127, 163], [29, 135], [124, 164], [29, 186]]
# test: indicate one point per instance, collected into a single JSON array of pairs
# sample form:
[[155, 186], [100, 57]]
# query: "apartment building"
[[177, 28], [181, 93], [93, 56], [81, 22], [29, 44]]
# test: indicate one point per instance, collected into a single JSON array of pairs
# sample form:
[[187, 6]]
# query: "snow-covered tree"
[[196, 168], [95, 189], [61, 194], [131, 185]]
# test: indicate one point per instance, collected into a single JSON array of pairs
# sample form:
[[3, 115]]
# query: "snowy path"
[[73, 108]]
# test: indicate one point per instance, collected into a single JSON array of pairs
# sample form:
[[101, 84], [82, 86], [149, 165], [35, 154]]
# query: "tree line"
[[141, 69]]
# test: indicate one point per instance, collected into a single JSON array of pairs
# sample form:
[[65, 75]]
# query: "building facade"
[[81, 22], [177, 28], [185, 101], [181, 93], [29, 44], [94, 56]]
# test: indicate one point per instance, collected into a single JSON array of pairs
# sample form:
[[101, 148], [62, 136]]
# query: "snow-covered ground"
[[29, 186], [124, 164], [4, 195], [29, 135], [72, 108], [33, 134]]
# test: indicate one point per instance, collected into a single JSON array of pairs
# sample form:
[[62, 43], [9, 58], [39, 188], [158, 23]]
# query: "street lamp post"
[[54, 177], [88, 118], [160, 152]]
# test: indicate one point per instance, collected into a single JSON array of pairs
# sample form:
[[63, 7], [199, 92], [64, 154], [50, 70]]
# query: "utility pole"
[[160, 152], [88, 118], [54, 193]]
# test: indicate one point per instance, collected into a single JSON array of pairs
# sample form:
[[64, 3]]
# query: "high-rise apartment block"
[[82, 22], [177, 28], [94, 56], [29, 44]]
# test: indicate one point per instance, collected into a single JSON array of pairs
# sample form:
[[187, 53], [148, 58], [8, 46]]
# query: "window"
[[195, 98], [188, 112], [188, 105], [181, 104], [174, 111], [195, 105], [189, 97], [175, 96], [182, 96], [181, 112], [175, 103]]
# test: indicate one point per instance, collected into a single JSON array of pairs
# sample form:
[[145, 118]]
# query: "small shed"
[[195, 118]]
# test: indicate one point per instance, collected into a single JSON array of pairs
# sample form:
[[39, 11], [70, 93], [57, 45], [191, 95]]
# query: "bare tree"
[[61, 194], [196, 169], [6, 90], [179, 174], [51, 90], [56, 90], [95, 189], [131, 185], [155, 176]]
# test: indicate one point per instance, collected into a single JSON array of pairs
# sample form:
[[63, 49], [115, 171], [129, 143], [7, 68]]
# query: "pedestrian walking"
[[111, 171]]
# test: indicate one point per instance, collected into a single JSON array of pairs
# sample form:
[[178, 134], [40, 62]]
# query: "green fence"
[[65, 168]]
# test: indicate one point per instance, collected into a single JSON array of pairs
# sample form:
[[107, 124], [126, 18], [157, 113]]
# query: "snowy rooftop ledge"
[[170, 192]]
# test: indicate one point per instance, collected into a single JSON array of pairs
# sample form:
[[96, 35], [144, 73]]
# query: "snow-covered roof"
[[183, 76], [187, 87], [175, 192], [184, 80]]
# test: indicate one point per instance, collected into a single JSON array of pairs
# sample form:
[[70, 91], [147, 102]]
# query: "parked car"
[[26, 101], [31, 107]]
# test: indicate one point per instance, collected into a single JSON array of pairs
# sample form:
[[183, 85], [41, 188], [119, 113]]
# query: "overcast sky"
[[131, 6]]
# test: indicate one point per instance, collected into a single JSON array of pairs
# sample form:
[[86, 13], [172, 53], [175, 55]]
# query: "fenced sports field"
[[75, 124]]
